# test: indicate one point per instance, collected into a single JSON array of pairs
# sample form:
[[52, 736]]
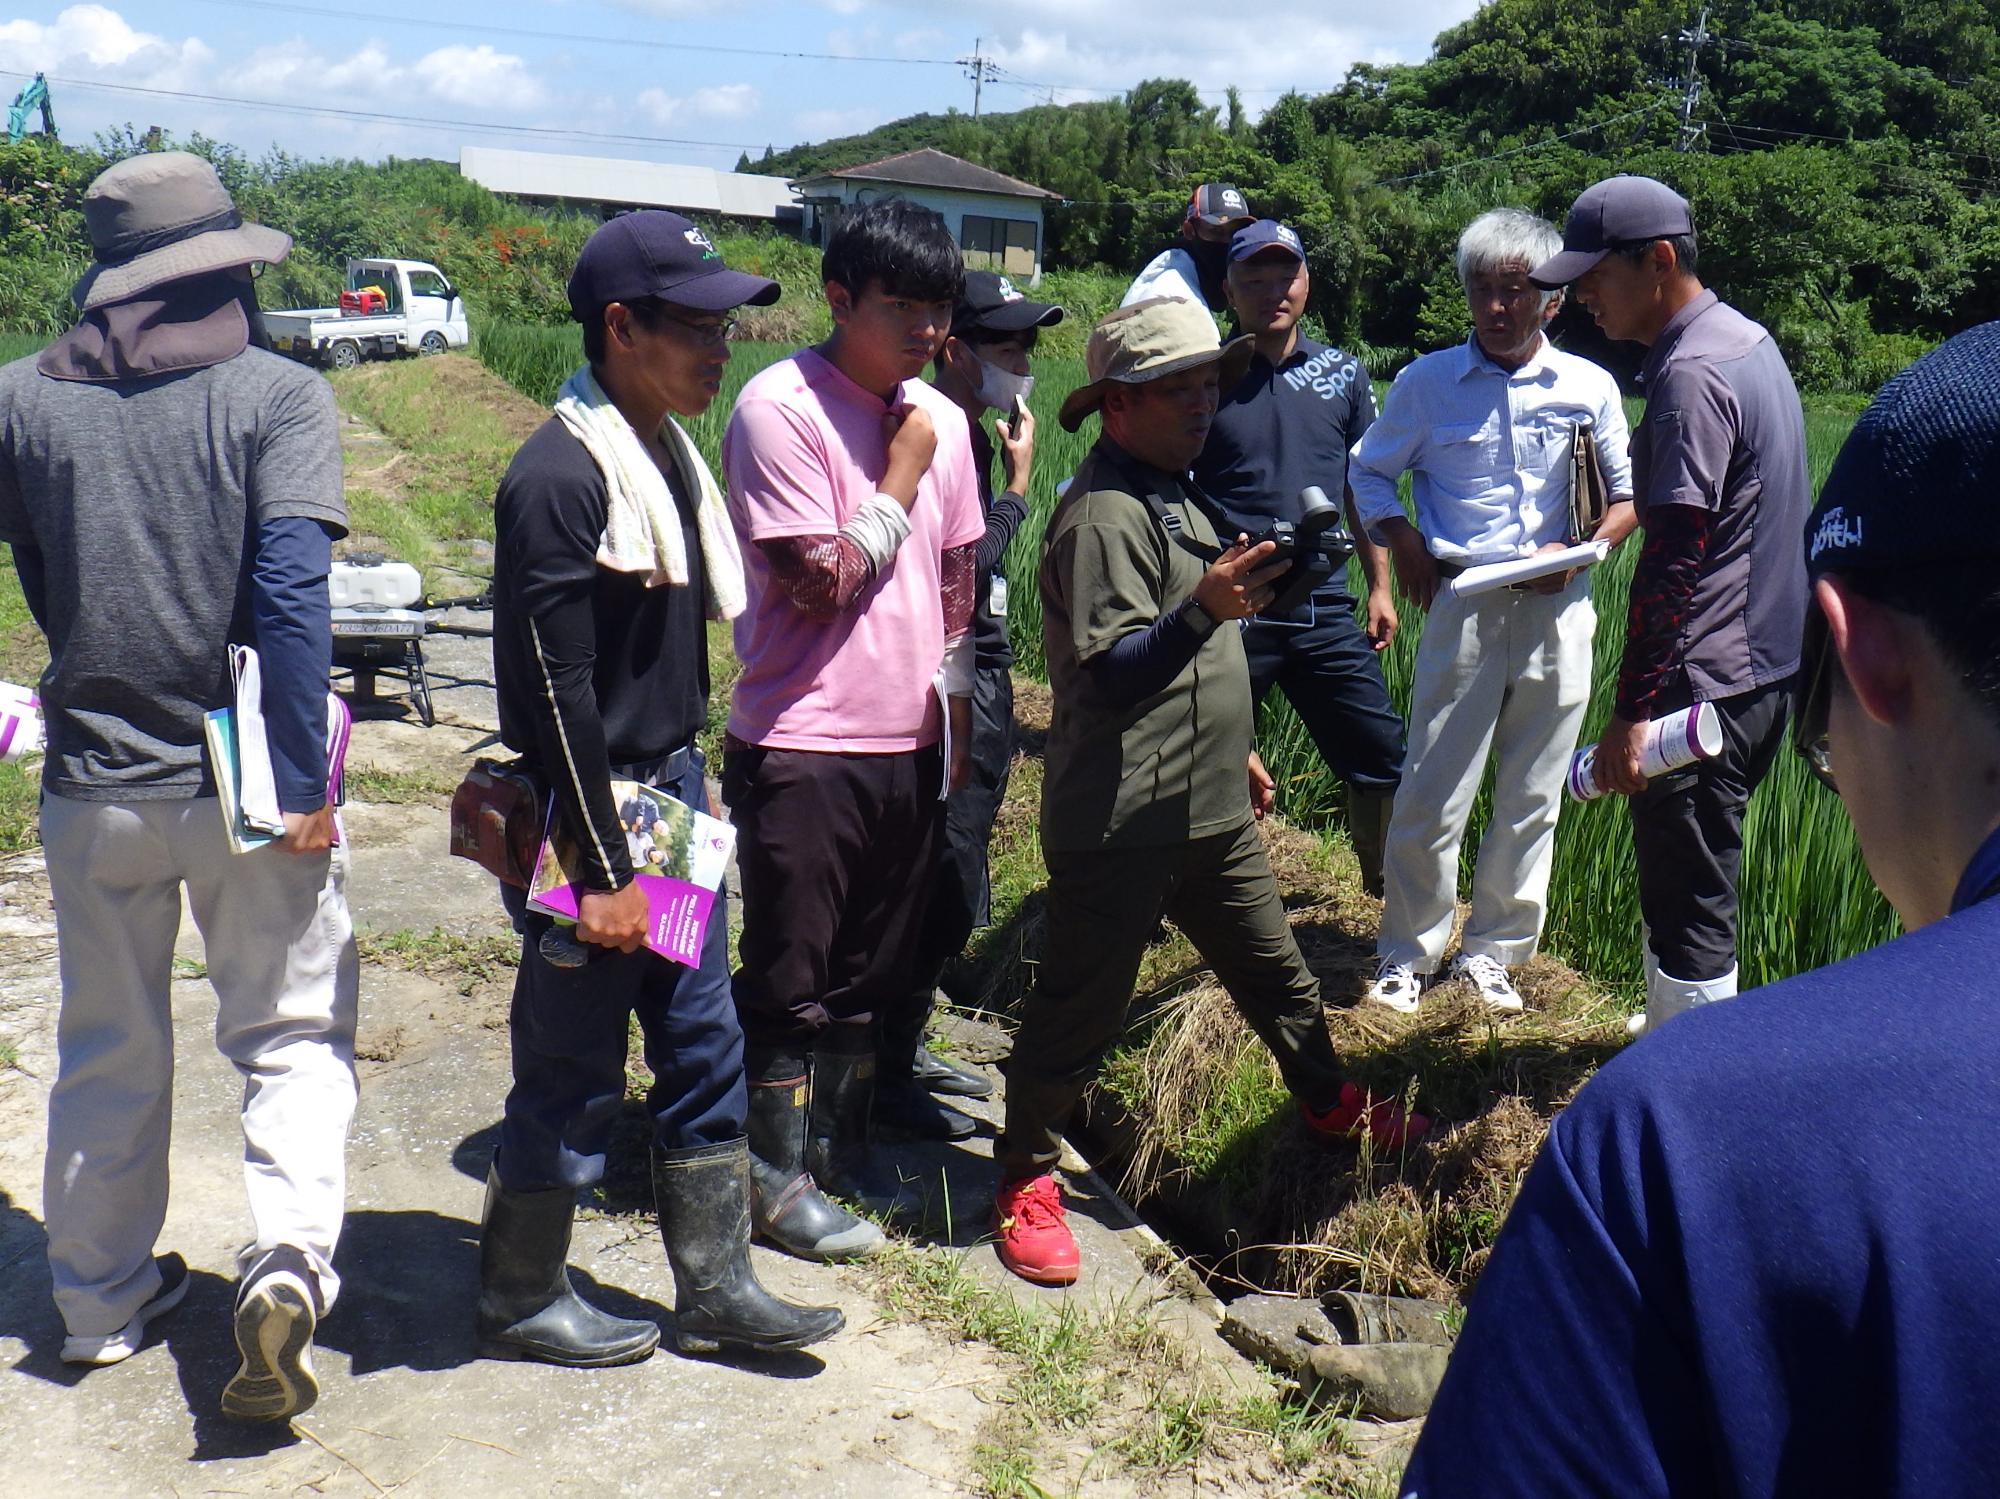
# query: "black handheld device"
[[1316, 545]]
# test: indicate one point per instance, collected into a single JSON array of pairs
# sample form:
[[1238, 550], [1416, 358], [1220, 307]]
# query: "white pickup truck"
[[419, 313]]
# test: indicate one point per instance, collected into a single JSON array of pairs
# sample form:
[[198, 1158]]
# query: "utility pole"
[[1695, 40], [980, 69]]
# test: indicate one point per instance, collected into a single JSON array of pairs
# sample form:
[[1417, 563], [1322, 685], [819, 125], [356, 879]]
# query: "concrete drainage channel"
[[1377, 1356]]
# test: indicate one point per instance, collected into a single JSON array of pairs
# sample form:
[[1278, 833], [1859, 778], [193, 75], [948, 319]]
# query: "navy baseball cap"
[[1917, 483], [1266, 234], [1218, 203], [1617, 211], [992, 304], [653, 253]]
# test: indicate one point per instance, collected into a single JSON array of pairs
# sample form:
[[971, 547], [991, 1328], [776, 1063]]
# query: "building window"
[[1006, 245]]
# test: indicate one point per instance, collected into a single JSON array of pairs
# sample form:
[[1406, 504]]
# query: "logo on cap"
[[1234, 199], [701, 242], [1290, 236], [1007, 292], [1836, 531]]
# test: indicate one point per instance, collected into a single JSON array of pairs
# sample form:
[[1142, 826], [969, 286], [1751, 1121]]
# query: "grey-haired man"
[[1485, 432], [170, 488]]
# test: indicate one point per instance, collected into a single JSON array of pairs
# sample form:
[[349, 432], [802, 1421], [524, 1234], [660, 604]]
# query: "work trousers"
[[1687, 830], [961, 893], [1507, 674], [281, 957], [1103, 908], [837, 855], [570, 1028], [1332, 677]]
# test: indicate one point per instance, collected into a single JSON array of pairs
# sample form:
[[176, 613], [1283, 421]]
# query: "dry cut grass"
[[1210, 1129]]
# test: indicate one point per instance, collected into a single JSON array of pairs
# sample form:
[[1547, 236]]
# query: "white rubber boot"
[[1667, 996], [1635, 1025]]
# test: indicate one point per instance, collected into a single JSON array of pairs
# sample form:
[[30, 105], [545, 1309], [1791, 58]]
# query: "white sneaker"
[[115, 1347], [1396, 985], [1489, 977], [1635, 1025]]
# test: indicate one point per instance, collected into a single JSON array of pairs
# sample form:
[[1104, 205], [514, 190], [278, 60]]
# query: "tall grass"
[[1806, 895]]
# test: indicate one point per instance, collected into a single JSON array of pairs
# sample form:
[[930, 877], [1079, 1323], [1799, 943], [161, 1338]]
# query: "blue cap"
[[653, 253], [1266, 234], [1917, 483]]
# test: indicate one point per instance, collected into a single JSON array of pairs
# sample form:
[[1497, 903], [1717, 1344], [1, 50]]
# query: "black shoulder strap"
[[1148, 494]]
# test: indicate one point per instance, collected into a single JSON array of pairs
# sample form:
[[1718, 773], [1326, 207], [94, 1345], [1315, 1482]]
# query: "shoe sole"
[[1054, 1277], [132, 1336], [690, 1344], [274, 1331], [525, 1353]]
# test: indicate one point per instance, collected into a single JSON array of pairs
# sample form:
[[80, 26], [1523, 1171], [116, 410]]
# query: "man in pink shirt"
[[851, 482]]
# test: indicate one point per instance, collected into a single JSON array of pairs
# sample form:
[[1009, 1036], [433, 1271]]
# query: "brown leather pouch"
[[498, 815]]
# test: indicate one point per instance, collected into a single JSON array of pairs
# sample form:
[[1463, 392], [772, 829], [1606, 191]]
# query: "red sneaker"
[[1035, 1243], [1384, 1121]]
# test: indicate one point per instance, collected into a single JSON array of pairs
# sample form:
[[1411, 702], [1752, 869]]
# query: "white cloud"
[[479, 76], [727, 101], [845, 7], [97, 40]]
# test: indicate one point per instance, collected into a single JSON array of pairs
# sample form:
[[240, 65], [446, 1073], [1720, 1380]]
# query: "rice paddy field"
[[1807, 898]]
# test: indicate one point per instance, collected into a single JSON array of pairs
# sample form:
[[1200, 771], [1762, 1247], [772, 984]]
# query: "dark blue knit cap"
[[1918, 480]]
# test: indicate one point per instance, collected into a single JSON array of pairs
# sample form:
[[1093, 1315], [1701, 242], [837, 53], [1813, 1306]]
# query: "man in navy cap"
[[1777, 1283], [1288, 424], [613, 549], [1193, 270], [1719, 470], [983, 367]]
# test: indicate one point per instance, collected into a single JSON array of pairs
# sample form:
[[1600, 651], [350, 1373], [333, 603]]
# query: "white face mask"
[[998, 388]]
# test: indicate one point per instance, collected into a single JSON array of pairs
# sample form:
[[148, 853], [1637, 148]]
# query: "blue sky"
[[627, 78]]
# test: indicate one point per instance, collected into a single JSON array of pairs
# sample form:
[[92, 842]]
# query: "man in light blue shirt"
[[1485, 431]]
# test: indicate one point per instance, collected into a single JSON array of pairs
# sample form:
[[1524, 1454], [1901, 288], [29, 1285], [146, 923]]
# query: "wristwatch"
[[1197, 618]]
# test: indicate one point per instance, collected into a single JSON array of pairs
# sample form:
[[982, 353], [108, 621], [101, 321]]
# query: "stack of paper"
[[239, 755]]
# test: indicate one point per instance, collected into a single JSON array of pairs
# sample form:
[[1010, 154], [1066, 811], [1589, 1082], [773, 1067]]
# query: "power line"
[[481, 28], [1459, 166], [382, 116]]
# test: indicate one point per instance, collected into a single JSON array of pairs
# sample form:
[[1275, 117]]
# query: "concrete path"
[[884, 1409]]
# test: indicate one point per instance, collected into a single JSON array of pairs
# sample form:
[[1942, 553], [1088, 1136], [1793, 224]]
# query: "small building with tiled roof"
[[996, 219]]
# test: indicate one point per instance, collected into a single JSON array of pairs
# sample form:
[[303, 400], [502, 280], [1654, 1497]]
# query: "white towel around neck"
[[642, 527]]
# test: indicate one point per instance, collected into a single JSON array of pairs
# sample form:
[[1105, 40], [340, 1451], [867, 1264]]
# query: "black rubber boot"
[[1368, 825], [941, 1075], [527, 1307], [787, 1207], [840, 1135], [908, 1109], [703, 1196]]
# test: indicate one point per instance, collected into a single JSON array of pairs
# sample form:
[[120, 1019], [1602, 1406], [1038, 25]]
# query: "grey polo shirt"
[[1722, 430]]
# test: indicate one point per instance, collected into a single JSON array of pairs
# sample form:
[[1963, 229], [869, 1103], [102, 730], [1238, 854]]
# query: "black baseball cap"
[[1617, 211], [1218, 203], [1266, 234], [1917, 483], [990, 303], [653, 253]]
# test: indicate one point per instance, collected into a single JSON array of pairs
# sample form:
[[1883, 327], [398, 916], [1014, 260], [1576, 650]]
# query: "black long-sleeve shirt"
[[990, 645], [593, 668]]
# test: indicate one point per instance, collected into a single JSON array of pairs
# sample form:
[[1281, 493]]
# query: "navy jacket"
[[1760, 1254]]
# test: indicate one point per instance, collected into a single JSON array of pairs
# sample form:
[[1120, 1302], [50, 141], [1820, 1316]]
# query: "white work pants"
[[1510, 673], [282, 959]]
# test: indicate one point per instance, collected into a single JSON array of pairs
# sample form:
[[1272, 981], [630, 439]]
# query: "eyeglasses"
[[705, 333], [1812, 696]]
